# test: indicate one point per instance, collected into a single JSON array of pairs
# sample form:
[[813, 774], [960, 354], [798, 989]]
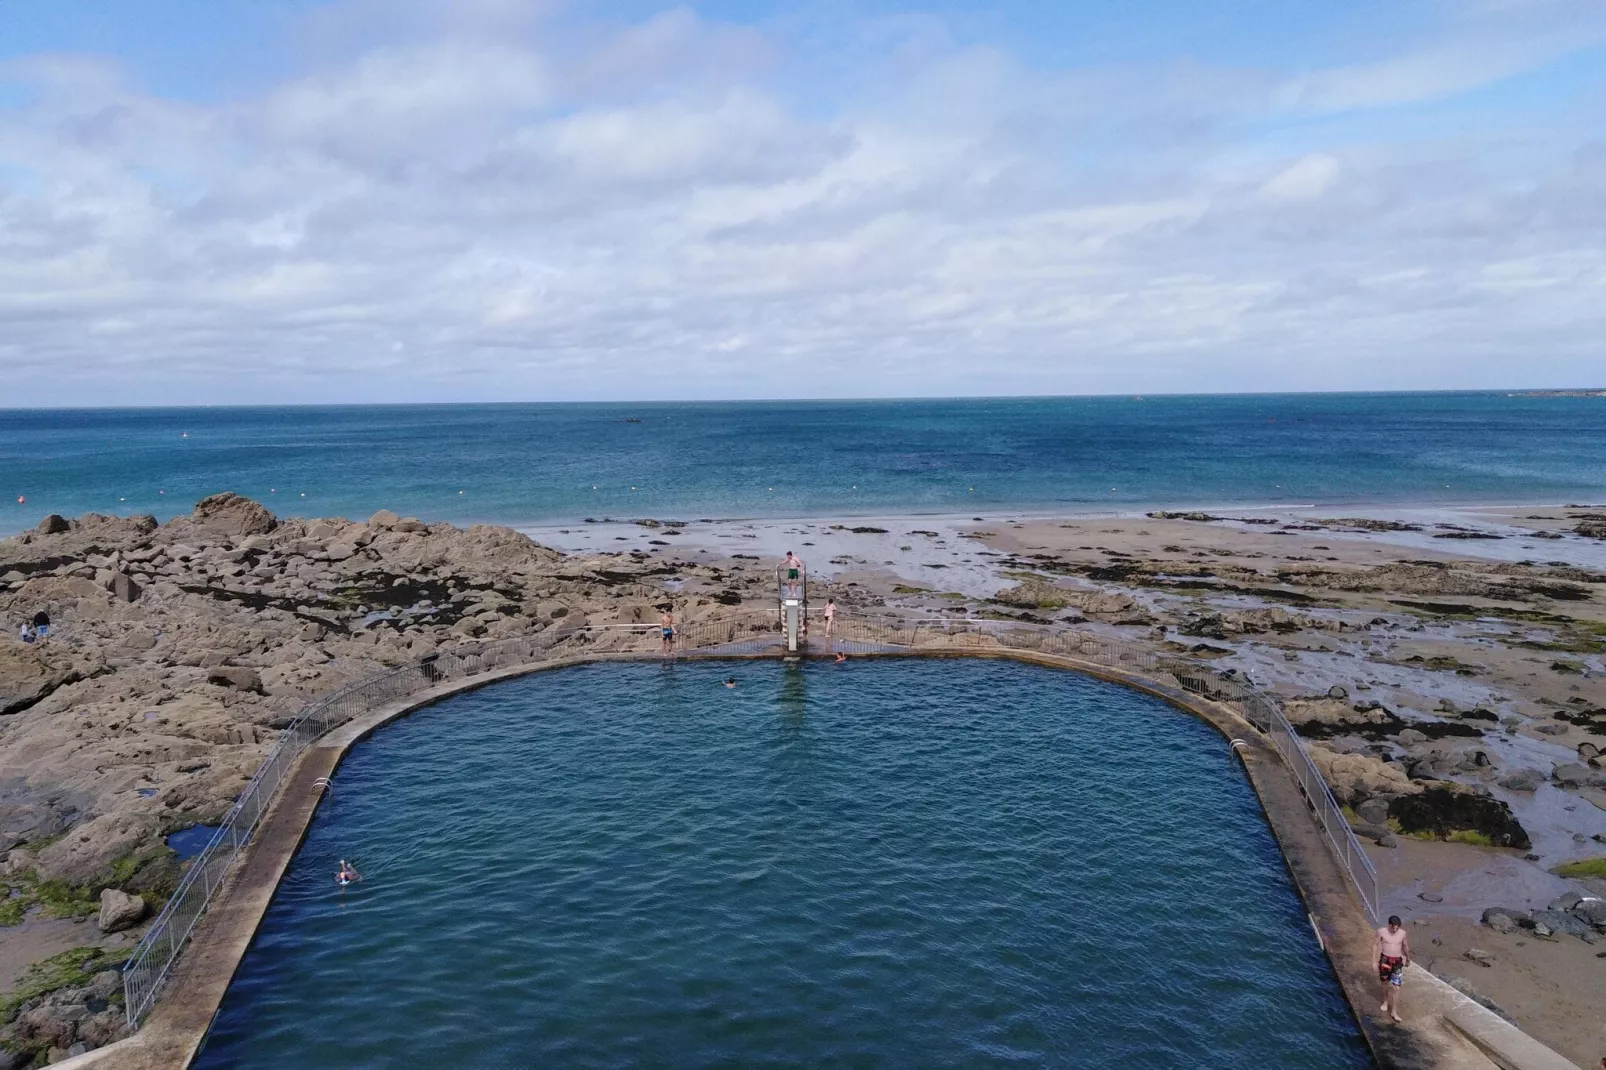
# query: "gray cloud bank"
[[488, 201]]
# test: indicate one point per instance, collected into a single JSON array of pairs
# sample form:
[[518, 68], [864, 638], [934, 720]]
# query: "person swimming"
[[348, 874], [840, 657], [730, 681]]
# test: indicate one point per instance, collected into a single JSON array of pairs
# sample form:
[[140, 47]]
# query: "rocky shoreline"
[[1454, 703]]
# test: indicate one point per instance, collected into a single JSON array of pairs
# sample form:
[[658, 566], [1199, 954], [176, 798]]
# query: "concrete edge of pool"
[[1444, 1029]]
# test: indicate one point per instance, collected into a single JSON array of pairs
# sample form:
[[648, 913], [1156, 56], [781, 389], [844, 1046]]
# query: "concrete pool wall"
[[1444, 1029]]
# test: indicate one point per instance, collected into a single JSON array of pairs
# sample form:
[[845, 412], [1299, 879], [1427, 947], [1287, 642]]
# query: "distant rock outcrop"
[[230, 514]]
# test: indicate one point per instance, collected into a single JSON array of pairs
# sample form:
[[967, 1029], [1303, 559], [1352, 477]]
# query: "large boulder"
[[30, 672], [1502, 919], [1037, 593], [1522, 780], [85, 855], [114, 528], [124, 588], [230, 514], [1444, 810], [1381, 835], [1591, 910], [1561, 922], [119, 910], [1357, 777], [1571, 774], [104, 1028], [54, 524], [1374, 811], [27, 818], [1444, 759], [237, 677], [49, 1025]]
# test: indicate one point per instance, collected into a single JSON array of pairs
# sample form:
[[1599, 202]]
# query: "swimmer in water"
[[348, 874], [730, 681], [840, 657]]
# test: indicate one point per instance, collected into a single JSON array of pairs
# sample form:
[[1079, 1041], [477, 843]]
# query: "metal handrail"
[[153, 960]]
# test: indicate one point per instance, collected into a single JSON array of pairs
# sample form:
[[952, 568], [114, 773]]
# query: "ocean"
[[528, 464]]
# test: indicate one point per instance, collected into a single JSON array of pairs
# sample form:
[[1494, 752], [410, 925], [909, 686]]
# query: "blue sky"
[[397, 200]]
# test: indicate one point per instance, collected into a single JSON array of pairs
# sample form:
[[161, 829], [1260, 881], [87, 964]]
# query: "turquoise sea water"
[[543, 463], [882, 864]]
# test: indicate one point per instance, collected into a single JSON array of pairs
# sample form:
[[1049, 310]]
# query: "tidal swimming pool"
[[902, 863]]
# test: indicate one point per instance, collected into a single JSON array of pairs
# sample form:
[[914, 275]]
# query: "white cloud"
[[492, 204], [1306, 179]]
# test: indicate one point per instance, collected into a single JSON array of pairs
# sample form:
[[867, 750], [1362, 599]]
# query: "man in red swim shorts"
[[1393, 949]]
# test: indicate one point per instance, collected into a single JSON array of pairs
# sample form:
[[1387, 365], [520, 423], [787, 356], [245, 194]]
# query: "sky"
[[289, 201]]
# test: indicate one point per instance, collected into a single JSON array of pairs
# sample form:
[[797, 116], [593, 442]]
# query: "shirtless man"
[[1393, 956], [348, 874], [830, 615], [666, 625], [794, 569]]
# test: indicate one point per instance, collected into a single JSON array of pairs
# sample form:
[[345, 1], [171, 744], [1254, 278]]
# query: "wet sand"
[[39, 938], [1552, 988]]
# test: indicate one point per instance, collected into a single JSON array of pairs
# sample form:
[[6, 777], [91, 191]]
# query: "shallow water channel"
[[883, 863]]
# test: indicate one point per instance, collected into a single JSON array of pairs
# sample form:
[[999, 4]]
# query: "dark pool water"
[[887, 863]]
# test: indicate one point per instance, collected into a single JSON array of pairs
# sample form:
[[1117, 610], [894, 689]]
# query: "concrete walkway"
[[1441, 1032]]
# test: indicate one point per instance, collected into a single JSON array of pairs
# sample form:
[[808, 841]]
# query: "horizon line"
[[1508, 391]]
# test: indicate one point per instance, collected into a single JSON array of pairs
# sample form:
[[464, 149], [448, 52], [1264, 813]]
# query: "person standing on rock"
[[26, 635], [1393, 956], [41, 624]]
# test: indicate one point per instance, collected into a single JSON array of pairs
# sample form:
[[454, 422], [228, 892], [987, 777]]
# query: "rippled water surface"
[[895, 863], [525, 464]]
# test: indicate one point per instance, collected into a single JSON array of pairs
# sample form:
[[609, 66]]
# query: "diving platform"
[[792, 596]]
